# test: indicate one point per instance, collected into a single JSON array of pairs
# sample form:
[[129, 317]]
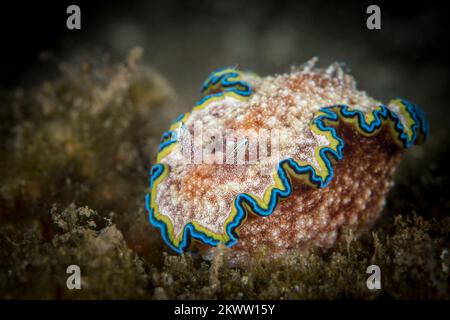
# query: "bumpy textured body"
[[337, 150]]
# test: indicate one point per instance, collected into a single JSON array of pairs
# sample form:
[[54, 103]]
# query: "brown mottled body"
[[287, 106], [314, 217]]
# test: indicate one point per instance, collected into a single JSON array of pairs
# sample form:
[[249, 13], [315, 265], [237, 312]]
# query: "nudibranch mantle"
[[210, 201]]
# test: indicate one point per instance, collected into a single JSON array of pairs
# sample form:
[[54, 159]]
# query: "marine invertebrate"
[[332, 154]]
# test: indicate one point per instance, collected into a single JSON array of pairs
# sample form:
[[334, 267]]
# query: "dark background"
[[186, 40]]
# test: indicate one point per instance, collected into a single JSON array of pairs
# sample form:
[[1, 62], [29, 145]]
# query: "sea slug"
[[280, 161]]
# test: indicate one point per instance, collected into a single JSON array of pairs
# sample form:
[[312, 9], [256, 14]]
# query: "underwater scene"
[[224, 150]]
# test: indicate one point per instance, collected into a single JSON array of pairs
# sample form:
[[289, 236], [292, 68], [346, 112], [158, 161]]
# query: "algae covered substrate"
[[76, 153]]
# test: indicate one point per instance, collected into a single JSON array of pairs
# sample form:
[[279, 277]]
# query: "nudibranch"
[[280, 161]]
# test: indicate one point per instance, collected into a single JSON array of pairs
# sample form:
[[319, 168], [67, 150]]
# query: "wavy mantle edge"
[[324, 122]]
